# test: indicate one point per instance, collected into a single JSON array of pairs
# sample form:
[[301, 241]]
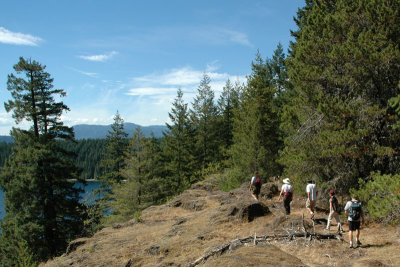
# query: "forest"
[[327, 110]]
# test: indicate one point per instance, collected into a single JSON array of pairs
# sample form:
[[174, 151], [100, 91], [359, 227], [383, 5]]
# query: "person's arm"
[[330, 206], [279, 198]]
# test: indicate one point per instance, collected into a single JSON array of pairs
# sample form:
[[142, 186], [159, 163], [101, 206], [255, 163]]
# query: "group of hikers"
[[353, 208]]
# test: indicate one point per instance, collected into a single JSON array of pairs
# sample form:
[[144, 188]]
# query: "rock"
[[247, 211], [194, 205], [269, 190], [154, 250], [74, 244]]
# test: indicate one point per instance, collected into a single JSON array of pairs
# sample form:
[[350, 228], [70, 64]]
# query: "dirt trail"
[[203, 218]]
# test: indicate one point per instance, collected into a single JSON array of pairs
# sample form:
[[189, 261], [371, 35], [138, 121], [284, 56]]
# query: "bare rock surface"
[[204, 220]]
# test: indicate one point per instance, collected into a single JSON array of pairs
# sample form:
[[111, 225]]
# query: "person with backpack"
[[355, 218], [334, 212], [287, 192], [255, 185]]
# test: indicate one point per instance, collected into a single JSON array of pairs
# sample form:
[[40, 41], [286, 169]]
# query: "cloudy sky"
[[132, 56]]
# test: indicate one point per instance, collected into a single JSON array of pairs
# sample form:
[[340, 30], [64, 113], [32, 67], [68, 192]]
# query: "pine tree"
[[227, 104], [179, 148], [204, 114], [43, 209], [256, 126], [143, 171], [345, 67], [114, 156]]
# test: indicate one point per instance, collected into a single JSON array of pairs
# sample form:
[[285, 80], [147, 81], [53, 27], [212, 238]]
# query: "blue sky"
[[132, 56]]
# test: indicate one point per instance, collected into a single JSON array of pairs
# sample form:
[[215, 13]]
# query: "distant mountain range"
[[86, 131]]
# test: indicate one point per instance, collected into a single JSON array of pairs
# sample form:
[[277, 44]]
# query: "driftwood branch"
[[264, 238]]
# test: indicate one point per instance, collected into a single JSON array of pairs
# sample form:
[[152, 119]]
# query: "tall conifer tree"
[[204, 114], [179, 146], [345, 67], [42, 205], [227, 104], [256, 128], [115, 152]]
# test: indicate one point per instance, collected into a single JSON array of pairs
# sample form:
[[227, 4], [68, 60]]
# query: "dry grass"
[[175, 236]]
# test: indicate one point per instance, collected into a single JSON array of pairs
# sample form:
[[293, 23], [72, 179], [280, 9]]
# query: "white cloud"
[[90, 74], [217, 35], [100, 58], [141, 91], [165, 84], [17, 38]]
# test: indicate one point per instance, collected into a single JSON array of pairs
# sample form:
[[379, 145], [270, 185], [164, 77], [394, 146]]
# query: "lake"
[[90, 186]]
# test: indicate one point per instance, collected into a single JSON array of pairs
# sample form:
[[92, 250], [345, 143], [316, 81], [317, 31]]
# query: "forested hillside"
[[89, 154], [327, 109]]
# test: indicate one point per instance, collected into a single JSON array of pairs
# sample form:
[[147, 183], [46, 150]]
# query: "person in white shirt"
[[255, 185], [355, 218], [287, 192], [312, 194]]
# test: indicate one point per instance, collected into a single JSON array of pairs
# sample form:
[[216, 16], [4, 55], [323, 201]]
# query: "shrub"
[[382, 195]]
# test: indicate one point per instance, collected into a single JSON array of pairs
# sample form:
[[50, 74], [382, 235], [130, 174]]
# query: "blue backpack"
[[355, 210]]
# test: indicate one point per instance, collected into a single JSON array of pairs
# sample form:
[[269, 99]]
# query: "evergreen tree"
[[227, 103], [256, 126], [43, 209], [179, 147], [114, 157], [345, 67], [143, 185], [204, 114]]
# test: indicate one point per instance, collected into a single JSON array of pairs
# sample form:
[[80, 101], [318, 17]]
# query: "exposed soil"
[[203, 218]]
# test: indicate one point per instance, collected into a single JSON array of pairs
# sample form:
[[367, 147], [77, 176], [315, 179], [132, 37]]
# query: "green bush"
[[382, 197]]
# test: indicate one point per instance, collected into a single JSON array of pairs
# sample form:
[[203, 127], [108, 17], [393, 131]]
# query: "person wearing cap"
[[287, 192], [333, 212], [312, 194]]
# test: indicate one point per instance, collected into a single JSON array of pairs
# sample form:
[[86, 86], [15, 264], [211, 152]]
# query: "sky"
[[132, 56]]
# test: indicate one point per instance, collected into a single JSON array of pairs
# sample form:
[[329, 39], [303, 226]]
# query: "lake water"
[[90, 186]]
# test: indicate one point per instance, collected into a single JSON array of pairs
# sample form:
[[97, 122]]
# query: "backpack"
[[335, 204], [288, 195], [355, 210], [257, 181]]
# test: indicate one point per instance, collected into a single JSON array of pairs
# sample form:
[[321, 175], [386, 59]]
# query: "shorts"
[[256, 190], [310, 204], [354, 225]]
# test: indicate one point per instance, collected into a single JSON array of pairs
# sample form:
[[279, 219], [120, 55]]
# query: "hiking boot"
[[358, 243], [326, 229], [351, 245]]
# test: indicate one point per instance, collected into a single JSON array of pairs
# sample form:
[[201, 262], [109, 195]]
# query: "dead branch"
[[264, 238]]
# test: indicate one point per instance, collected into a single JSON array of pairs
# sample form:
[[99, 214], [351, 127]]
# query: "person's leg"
[[286, 204], [329, 221], [337, 218], [351, 238], [313, 202], [351, 233], [358, 243], [309, 208]]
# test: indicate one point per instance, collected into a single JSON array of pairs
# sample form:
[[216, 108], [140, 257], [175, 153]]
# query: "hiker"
[[333, 212], [355, 218], [255, 185], [287, 192], [312, 194]]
